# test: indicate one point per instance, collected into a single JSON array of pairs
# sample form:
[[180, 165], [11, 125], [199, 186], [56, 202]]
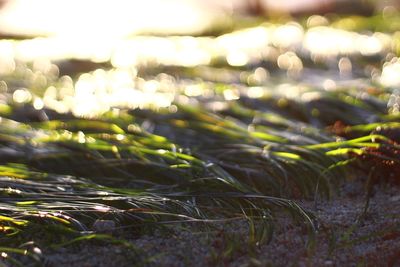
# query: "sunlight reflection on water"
[[94, 19], [101, 90]]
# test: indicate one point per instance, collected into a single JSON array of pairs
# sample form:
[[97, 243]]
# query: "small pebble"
[[328, 263]]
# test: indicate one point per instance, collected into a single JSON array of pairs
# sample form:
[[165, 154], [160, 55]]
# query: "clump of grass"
[[64, 176]]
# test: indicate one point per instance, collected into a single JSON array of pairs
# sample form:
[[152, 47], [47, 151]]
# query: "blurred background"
[[88, 57], [121, 18]]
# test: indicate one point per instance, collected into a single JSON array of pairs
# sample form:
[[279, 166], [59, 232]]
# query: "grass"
[[208, 159]]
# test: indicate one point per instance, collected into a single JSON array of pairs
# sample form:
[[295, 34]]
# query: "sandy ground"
[[343, 239]]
